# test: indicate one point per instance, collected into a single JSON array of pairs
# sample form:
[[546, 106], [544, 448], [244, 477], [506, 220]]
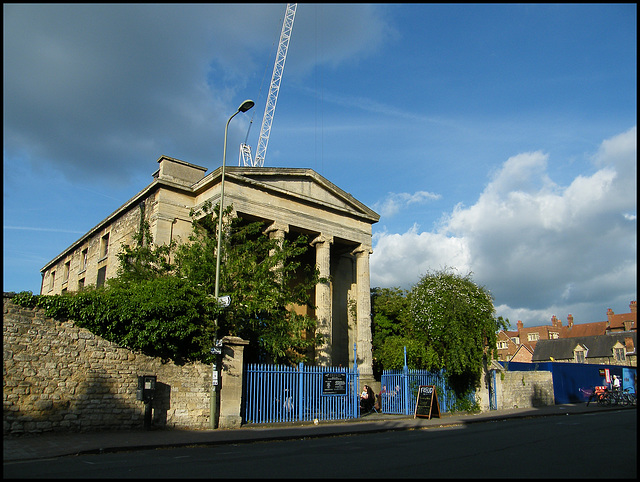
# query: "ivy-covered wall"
[[58, 377]]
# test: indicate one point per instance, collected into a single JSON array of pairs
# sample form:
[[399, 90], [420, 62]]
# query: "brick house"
[[624, 321], [509, 342]]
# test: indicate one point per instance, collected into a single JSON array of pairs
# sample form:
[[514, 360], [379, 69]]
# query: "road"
[[576, 446]]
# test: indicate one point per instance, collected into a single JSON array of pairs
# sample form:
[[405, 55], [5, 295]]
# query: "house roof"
[[616, 322], [523, 347], [597, 346], [584, 329]]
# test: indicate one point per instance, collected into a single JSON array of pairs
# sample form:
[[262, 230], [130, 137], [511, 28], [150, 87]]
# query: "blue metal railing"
[[276, 393], [399, 389]]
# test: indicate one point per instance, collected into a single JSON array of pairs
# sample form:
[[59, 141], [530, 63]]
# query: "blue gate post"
[[300, 410], [406, 383], [356, 384]]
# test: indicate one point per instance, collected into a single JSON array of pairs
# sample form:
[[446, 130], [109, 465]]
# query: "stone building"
[[289, 200], [617, 348]]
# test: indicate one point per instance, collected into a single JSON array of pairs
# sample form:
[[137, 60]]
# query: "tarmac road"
[[540, 447], [544, 442]]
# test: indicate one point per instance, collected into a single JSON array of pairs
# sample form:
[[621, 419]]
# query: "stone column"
[[231, 382], [277, 231], [363, 318], [323, 299]]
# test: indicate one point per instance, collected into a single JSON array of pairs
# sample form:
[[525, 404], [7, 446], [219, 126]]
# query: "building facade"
[[290, 201], [509, 342], [616, 348]]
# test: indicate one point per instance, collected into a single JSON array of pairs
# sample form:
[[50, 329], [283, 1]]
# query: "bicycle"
[[629, 396], [600, 394]]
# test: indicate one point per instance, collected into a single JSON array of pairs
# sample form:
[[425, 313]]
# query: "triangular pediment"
[[305, 185]]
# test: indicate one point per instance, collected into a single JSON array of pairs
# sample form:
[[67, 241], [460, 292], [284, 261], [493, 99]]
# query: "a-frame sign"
[[427, 402]]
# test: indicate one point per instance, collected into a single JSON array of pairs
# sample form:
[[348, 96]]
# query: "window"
[[102, 274], [578, 355], [618, 354], [52, 279], [80, 284], [104, 246], [516, 340], [533, 337], [85, 255], [65, 273], [502, 344], [553, 335]]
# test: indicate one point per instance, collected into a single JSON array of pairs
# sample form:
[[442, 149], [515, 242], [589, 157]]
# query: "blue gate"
[[274, 393], [399, 388]]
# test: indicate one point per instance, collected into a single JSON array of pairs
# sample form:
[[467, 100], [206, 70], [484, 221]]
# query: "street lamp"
[[244, 107], [213, 408]]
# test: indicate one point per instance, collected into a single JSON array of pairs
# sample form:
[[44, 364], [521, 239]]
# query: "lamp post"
[[213, 408], [244, 107]]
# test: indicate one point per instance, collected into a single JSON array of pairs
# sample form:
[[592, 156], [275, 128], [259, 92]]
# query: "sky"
[[496, 141]]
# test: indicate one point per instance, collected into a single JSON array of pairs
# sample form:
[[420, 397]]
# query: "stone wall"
[[58, 377], [516, 389], [524, 389]]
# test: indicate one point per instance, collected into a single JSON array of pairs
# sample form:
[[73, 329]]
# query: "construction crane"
[[270, 108]]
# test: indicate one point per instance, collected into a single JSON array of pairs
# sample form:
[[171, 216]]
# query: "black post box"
[[146, 387]]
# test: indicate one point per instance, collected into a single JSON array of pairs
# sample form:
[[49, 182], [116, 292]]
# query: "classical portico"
[[294, 201], [289, 202]]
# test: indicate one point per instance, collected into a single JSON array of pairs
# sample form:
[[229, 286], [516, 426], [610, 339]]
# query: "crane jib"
[[272, 98]]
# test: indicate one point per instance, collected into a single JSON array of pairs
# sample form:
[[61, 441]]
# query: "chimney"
[[610, 313], [633, 307], [554, 321], [570, 320], [520, 326]]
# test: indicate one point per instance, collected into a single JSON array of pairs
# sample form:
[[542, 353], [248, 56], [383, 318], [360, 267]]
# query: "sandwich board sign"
[[427, 402]]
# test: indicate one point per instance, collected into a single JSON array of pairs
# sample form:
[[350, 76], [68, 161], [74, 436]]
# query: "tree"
[[168, 309], [454, 318], [389, 327], [264, 277]]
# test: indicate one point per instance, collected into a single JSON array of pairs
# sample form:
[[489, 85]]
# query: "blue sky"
[[497, 140]]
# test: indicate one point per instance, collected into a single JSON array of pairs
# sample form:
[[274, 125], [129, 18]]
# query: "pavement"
[[25, 447]]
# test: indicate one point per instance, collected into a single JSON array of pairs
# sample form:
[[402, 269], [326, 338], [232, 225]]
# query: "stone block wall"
[[516, 389], [58, 377], [524, 389]]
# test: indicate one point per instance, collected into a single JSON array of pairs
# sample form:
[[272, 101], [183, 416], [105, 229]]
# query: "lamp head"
[[246, 105]]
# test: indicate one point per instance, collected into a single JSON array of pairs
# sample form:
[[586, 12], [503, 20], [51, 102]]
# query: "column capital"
[[321, 238], [362, 249], [276, 226]]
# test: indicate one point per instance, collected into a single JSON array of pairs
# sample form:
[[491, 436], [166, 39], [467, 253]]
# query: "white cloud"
[[394, 202], [401, 259], [532, 243]]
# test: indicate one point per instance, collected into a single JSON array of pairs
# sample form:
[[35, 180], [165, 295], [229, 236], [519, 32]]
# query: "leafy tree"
[[454, 318], [162, 317], [389, 327], [264, 277], [168, 310]]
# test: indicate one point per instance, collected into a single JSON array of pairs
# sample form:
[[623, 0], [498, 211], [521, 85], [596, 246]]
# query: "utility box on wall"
[[146, 387]]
